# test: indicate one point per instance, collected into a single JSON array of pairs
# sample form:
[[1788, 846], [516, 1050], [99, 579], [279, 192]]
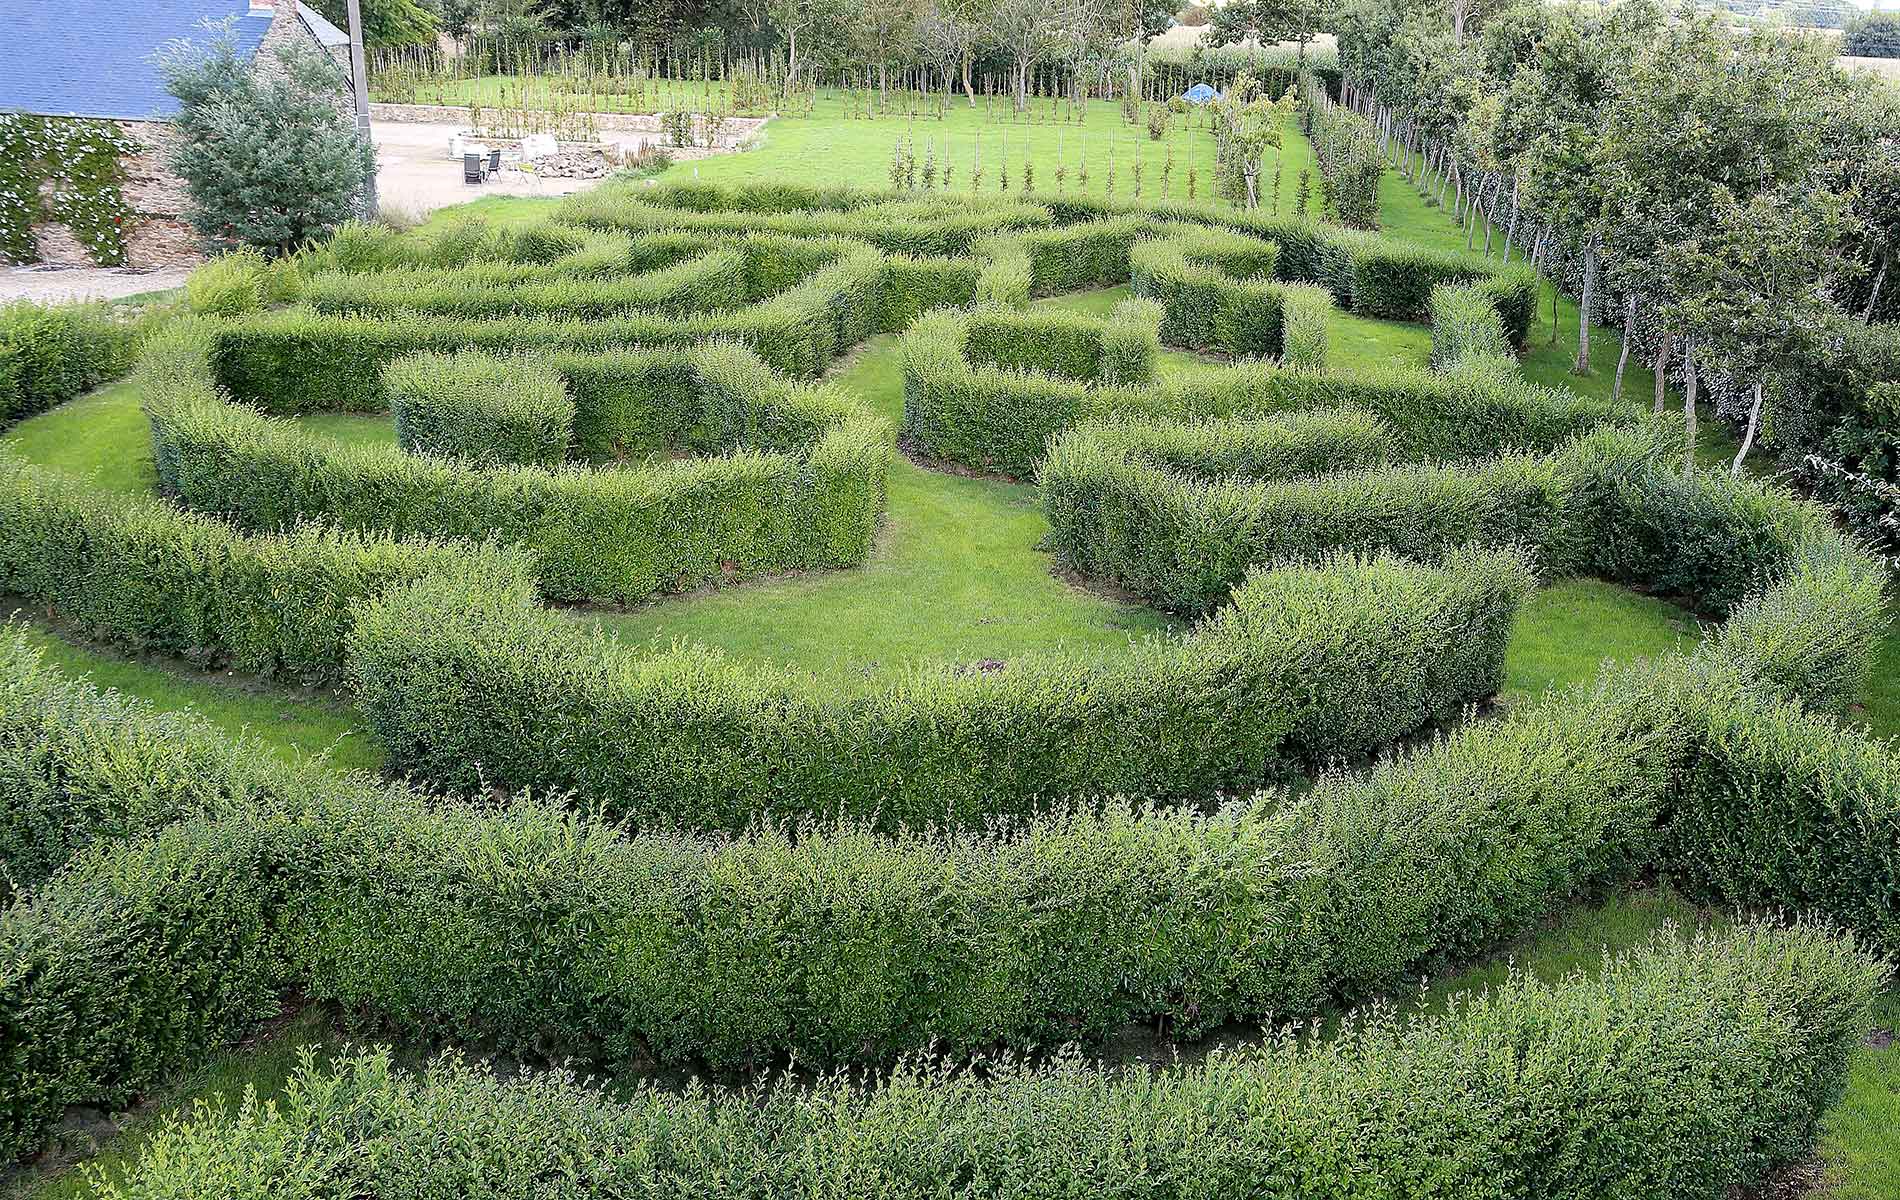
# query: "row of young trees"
[[1725, 188]]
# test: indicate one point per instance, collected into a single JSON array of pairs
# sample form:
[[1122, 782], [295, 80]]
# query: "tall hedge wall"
[[1573, 1089], [798, 482]]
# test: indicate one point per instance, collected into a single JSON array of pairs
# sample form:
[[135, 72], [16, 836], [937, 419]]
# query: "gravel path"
[[58, 285]]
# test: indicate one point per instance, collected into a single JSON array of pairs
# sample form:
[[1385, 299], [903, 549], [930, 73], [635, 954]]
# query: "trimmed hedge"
[[299, 360], [144, 576], [1118, 351], [479, 407], [50, 354], [990, 419], [1070, 242], [768, 943], [447, 675], [799, 482], [712, 282], [1681, 1070], [1465, 321], [1181, 537], [1215, 290]]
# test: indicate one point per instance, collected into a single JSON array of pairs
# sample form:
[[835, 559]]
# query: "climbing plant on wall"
[[81, 158]]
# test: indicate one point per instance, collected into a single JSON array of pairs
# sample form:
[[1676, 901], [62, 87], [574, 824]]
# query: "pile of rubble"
[[572, 164]]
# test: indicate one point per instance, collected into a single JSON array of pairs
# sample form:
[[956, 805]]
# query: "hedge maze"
[[716, 863]]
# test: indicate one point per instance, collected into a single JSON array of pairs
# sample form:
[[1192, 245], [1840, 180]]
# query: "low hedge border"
[[51, 353], [711, 282], [218, 880], [1215, 290], [300, 360], [1071, 242], [798, 482], [703, 743], [1119, 351], [1464, 321], [480, 408], [1571, 1089], [966, 411]]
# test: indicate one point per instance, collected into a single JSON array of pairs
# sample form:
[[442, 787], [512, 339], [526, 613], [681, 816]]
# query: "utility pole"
[[359, 78]]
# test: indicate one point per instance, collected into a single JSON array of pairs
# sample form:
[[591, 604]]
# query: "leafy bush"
[[1872, 35], [238, 128], [1215, 291], [1306, 311], [1000, 420], [714, 282], [446, 674], [479, 407], [1757, 1025], [1464, 321], [50, 354], [801, 484]]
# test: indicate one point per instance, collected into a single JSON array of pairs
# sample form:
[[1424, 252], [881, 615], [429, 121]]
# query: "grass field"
[[957, 576]]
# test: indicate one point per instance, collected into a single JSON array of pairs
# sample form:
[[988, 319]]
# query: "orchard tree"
[[1269, 21], [1753, 284], [1025, 31], [1703, 122], [952, 33], [266, 157], [385, 22], [806, 21], [885, 32]]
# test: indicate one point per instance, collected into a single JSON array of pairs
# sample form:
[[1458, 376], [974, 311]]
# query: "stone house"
[[85, 67]]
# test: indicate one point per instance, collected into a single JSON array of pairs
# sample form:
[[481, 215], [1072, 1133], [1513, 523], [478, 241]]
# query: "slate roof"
[[328, 35], [93, 58]]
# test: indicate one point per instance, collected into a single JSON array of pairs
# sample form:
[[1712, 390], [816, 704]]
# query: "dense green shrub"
[[142, 575], [1215, 290], [1180, 535], [446, 676], [52, 353], [1464, 321], [1306, 311], [1003, 420], [299, 360], [800, 482], [713, 282], [1574, 1089], [1118, 351], [480, 407], [242, 281], [1065, 243]]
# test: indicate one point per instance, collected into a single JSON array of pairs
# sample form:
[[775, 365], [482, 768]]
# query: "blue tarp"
[[1200, 93]]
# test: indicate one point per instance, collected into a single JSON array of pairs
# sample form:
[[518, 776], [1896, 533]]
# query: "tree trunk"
[[1512, 231], [1586, 305], [1748, 438], [1688, 406], [1622, 359], [1662, 370], [1880, 277], [791, 60], [1022, 86], [967, 89], [883, 82]]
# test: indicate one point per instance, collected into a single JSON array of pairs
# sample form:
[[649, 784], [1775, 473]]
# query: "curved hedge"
[[448, 676], [798, 482], [1070, 242], [960, 408], [218, 879], [1572, 1089], [481, 408]]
